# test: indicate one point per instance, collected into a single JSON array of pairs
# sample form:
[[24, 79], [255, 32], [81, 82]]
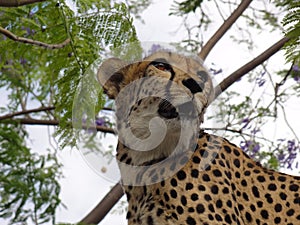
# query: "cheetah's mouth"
[[167, 110]]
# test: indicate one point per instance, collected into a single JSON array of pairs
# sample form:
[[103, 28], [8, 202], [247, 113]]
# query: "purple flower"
[[296, 68], [23, 61], [100, 121]]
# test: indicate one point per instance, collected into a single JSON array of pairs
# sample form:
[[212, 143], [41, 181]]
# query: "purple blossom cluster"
[[260, 80], [296, 73], [250, 147], [287, 152]]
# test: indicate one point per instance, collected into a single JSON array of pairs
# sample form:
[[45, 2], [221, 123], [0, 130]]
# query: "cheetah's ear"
[[111, 76]]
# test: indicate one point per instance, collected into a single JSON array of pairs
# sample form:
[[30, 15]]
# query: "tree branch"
[[223, 29], [17, 3], [30, 121], [13, 37], [40, 109], [104, 206], [227, 82]]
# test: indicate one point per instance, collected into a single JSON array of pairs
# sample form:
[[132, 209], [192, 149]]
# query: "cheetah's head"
[[155, 98]]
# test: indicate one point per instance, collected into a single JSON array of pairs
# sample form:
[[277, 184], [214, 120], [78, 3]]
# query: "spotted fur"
[[214, 182]]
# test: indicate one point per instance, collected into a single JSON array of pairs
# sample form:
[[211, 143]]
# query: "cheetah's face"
[[158, 94]]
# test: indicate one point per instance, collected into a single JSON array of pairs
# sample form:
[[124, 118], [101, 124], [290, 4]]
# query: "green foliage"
[[33, 76], [92, 35], [291, 22], [29, 189]]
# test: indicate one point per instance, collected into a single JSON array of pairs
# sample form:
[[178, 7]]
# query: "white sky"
[[82, 188]]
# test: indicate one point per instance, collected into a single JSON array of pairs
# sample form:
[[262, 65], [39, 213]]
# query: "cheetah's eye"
[[162, 66]]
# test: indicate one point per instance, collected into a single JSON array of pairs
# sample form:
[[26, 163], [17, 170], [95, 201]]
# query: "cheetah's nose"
[[167, 110]]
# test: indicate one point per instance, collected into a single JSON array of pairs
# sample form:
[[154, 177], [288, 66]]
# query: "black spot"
[[218, 217], [252, 207], [173, 182], [290, 212], [193, 86], [247, 173], [205, 177], [167, 198], [261, 179], [201, 187], [151, 207], [183, 200], [227, 149], [283, 196], [194, 197], [173, 193], [225, 190], [250, 165], [181, 175], [228, 219], [229, 203], [269, 198], [128, 215], [219, 204], [248, 216], [278, 207], [191, 209], [282, 178], [200, 208], [207, 197], [196, 159], [264, 214], [195, 173], [272, 187], [236, 152], [179, 209], [123, 157], [217, 173], [214, 189], [237, 175], [174, 215], [149, 220], [241, 207], [159, 212], [255, 191], [277, 220], [236, 162], [190, 221], [259, 204], [189, 186], [294, 187], [244, 183]]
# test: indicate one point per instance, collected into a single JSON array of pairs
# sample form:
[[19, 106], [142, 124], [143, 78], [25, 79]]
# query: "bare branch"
[[223, 29], [227, 82], [24, 112], [17, 3], [104, 206], [13, 37]]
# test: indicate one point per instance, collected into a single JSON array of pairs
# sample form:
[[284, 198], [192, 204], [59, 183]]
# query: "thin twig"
[[14, 37], [17, 3], [223, 29]]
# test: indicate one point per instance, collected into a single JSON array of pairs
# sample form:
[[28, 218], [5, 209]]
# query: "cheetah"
[[173, 172]]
